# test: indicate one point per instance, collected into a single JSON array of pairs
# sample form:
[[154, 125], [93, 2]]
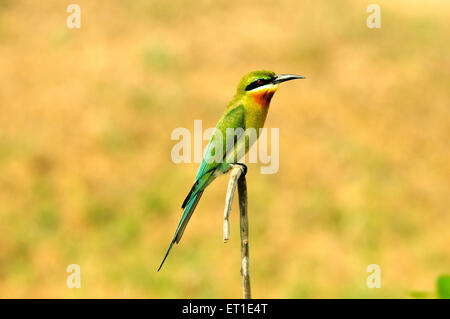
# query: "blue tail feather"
[[190, 207]]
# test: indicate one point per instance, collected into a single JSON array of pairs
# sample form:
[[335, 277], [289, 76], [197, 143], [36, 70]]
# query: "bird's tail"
[[189, 209]]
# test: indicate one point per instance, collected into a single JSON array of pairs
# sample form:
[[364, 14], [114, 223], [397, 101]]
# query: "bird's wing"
[[233, 118]]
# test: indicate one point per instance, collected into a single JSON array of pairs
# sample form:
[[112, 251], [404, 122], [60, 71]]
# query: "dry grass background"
[[86, 176]]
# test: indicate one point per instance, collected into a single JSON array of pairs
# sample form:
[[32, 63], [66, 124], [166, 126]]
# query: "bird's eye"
[[255, 83]]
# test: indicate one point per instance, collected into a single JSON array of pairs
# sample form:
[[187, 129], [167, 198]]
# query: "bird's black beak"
[[286, 77]]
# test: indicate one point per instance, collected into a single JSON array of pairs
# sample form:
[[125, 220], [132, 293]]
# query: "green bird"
[[247, 110]]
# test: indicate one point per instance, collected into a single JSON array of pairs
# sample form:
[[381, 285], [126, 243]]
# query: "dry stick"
[[237, 177], [235, 173], [245, 271]]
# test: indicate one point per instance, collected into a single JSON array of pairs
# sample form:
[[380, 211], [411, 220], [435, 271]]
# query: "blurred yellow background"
[[86, 175]]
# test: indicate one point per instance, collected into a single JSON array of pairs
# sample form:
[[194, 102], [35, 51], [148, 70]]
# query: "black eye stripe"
[[257, 83]]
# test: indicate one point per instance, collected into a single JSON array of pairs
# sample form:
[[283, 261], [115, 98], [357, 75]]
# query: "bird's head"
[[261, 85]]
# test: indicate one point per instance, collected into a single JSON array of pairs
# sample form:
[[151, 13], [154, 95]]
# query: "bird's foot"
[[244, 168]]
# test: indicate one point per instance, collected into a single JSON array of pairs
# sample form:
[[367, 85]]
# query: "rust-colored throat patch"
[[263, 97]]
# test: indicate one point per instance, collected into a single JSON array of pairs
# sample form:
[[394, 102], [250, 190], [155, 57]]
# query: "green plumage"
[[247, 109]]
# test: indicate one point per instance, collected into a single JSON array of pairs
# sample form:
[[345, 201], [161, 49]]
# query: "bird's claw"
[[244, 168]]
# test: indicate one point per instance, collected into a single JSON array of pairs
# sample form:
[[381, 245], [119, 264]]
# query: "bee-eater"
[[247, 110]]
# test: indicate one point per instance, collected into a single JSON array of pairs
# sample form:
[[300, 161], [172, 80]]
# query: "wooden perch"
[[236, 172], [236, 177]]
